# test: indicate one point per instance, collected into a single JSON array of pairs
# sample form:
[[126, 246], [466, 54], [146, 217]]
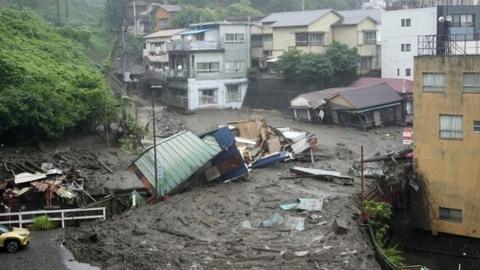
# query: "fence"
[[443, 45], [62, 215], [409, 4]]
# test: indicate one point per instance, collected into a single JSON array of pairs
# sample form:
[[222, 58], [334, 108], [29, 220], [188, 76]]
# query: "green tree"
[[289, 62], [345, 63], [192, 14], [242, 8], [314, 68]]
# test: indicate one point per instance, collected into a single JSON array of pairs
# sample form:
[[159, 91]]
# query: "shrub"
[[43, 223]]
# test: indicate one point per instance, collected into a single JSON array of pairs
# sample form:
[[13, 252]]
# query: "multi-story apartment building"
[[314, 30], [207, 67], [403, 22], [155, 53], [447, 141]]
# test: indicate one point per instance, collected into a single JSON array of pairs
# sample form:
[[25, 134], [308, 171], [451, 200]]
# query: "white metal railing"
[[54, 215]]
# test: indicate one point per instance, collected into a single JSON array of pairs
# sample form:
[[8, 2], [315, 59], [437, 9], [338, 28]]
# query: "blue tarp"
[[195, 31]]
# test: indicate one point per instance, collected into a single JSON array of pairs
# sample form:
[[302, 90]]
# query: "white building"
[[368, 4], [207, 67], [400, 32]]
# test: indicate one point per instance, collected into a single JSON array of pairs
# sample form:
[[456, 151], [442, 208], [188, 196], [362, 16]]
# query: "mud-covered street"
[[240, 225]]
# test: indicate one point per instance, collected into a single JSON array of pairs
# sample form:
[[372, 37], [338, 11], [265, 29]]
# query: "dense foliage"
[[337, 66], [209, 10], [47, 83]]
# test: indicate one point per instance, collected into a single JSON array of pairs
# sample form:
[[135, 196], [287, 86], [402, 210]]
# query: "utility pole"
[[66, 10], [303, 5], [59, 21], [154, 97], [135, 17]]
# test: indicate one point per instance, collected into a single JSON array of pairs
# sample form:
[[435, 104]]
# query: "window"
[[315, 39], [471, 82], [433, 82], [309, 39], [233, 93], [476, 126], [267, 38], [451, 127], [257, 41], [398, 72], [234, 67], [207, 96], [234, 38], [408, 72], [163, 23], [406, 47], [301, 39], [210, 67], [267, 52], [463, 20], [406, 22], [450, 214], [365, 63], [370, 37]]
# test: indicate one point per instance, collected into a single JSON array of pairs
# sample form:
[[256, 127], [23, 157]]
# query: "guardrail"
[[54, 215], [443, 45], [410, 4]]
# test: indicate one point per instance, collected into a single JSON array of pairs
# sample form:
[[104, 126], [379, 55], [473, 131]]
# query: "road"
[[44, 252]]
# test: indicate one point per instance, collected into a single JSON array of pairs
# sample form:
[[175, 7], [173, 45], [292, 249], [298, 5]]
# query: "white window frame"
[[450, 127], [316, 39], [369, 37], [450, 214], [208, 99], [210, 68], [408, 72], [471, 82], [476, 126], [406, 22], [435, 84], [235, 67], [234, 38], [233, 93]]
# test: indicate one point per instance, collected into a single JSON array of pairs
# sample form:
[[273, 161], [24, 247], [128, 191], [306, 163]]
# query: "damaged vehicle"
[[13, 239]]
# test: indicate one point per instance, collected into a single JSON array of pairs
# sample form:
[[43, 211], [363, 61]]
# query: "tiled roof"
[[295, 18], [401, 86]]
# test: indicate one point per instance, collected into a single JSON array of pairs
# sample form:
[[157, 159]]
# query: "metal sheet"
[[179, 157]]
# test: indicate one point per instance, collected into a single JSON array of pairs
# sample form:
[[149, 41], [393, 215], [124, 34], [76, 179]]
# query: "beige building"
[[447, 144], [314, 30]]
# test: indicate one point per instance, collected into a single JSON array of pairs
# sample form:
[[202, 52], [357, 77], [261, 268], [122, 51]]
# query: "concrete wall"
[[450, 168], [423, 22]]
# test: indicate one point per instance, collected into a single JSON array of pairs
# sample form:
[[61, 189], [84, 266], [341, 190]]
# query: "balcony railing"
[[410, 4], [182, 45], [443, 45]]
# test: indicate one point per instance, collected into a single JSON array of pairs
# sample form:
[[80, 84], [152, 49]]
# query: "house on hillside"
[[207, 67], [314, 30], [155, 48], [403, 87], [145, 16], [362, 107]]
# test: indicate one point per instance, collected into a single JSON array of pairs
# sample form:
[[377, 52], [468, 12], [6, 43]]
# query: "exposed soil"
[[219, 226]]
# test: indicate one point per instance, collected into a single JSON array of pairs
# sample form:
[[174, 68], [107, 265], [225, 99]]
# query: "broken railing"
[[61, 215]]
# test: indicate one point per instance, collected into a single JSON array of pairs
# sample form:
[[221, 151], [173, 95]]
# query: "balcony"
[[184, 45], [438, 45], [411, 4]]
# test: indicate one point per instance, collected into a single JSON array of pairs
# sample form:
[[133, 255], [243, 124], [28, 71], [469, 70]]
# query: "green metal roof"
[[178, 158]]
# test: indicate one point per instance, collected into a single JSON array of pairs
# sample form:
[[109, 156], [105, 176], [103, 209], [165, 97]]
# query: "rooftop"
[[356, 16], [295, 18], [401, 86], [165, 33]]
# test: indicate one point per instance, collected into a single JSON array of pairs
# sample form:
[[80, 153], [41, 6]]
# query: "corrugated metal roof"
[[356, 16], [165, 33], [295, 18], [179, 157], [370, 96], [402, 86], [195, 31]]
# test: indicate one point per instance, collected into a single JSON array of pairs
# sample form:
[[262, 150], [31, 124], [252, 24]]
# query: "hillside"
[[47, 82]]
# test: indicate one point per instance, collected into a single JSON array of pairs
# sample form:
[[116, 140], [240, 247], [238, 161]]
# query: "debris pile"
[[224, 154], [46, 188], [390, 172]]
